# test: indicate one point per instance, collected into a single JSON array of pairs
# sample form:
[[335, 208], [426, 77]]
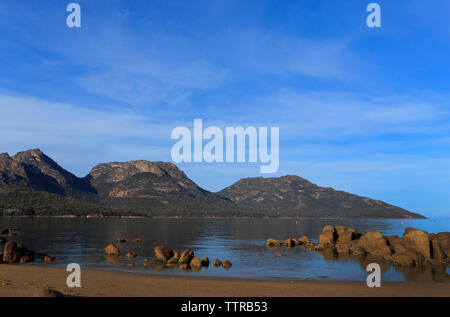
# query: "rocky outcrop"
[[416, 247], [16, 253], [374, 243]]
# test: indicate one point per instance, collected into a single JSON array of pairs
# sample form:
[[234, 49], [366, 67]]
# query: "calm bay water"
[[82, 241]]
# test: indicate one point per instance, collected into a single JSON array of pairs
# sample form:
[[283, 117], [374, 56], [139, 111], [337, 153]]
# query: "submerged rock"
[[131, 254]]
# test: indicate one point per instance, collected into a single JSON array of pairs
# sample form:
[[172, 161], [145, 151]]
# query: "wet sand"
[[27, 281]]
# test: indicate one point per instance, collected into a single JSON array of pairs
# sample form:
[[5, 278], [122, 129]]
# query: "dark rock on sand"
[[26, 259], [49, 258]]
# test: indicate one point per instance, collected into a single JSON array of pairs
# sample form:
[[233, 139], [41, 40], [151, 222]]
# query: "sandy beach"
[[28, 281]]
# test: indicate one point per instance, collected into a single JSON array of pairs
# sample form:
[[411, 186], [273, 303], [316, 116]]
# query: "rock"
[[328, 237], [216, 262], [437, 254], [49, 258], [205, 262], [444, 242], [226, 264], [273, 243], [175, 257], [259, 254], [375, 244], [195, 262], [407, 257], [356, 249], [13, 252], [343, 248], [162, 254], [278, 255], [346, 234], [137, 240], [303, 240], [112, 250], [418, 241], [48, 292], [186, 256], [290, 243], [131, 254], [8, 251], [26, 259], [120, 240]]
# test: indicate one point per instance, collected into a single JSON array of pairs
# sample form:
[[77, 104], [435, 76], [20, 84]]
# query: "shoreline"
[[196, 217], [30, 281]]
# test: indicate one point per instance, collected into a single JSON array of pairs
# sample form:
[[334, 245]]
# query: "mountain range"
[[32, 183]]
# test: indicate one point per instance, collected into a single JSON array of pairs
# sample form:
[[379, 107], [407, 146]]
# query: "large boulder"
[[112, 250], [13, 252], [407, 257], [437, 254], [186, 257], [418, 241], [328, 236], [374, 243], [346, 234], [444, 242]]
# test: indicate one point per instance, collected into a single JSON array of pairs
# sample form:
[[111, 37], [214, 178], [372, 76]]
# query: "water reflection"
[[240, 241]]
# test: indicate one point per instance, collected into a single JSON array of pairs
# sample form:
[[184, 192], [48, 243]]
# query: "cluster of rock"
[[17, 253], [416, 247], [185, 260]]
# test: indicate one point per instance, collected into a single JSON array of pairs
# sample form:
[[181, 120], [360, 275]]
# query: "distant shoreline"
[[195, 217]]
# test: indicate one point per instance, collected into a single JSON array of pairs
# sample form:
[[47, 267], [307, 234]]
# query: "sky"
[[364, 110]]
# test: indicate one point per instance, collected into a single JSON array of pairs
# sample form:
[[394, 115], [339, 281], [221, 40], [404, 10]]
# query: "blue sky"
[[361, 110]]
